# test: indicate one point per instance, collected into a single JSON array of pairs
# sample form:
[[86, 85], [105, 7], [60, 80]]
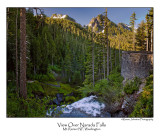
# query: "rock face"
[[136, 64], [126, 106], [96, 23], [129, 103]]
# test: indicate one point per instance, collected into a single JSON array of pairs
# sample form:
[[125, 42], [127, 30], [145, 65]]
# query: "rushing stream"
[[86, 107]]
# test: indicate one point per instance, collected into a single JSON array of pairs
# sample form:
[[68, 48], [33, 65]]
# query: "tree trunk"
[[151, 41], [104, 61], [34, 69], [107, 40], [17, 85], [115, 56], [119, 53], [69, 79], [52, 61], [147, 48], [36, 12], [23, 89], [99, 73], [110, 57], [134, 48], [93, 63], [107, 59], [7, 21]]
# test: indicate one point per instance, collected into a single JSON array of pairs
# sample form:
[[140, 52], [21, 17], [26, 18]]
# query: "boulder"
[[119, 114], [60, 97], [55, 101], [106, 114]]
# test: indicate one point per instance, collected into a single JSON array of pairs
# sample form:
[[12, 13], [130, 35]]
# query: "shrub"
[[86, 90], [132, 85], [107, 90], [144, 106], [101, 86], [35, 87], [55, 68], [30, 107], [50, 77], [43, 78], [76, 78]]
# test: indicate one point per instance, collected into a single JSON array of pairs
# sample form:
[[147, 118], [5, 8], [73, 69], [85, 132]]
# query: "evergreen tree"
[[149, 30], [132, 23], [141, 37]]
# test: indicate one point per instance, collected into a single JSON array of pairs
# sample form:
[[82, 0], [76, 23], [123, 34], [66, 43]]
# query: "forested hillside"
[[52, 61]]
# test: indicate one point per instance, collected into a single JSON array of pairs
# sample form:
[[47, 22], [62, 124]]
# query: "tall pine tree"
[[132, 23]]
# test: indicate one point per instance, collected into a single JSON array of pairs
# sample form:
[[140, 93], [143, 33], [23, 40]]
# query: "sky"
[[84, 15]]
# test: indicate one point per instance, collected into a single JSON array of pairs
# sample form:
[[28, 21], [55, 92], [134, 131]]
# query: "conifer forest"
[[58, 68]]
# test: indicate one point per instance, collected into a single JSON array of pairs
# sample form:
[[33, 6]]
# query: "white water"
[[88, 105]]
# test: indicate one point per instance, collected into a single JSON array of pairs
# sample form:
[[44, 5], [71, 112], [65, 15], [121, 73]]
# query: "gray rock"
[[60, 97], [106, 114], [56, 101], [119, 114], [136, 64]]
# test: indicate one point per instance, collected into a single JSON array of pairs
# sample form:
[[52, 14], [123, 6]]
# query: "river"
[[86, 107]]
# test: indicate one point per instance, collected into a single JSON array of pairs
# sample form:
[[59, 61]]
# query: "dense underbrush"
[[108, 91], [40, 96], [144, 106]]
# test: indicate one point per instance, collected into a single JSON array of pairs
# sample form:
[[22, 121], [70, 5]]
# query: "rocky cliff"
[[136, 64], [97, 24]]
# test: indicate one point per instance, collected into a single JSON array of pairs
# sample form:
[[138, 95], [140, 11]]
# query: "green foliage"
[[39, 95], [132, 20], [76, 77], [55, 68], [35, 87], [141, 37], [50, 77], [110, 90], [107, 90], [103, 89], [65, 89], [144, 106], [132, 85], [10, 75], [115, 77], [44, 78], [31, 107], [48, 88], [86, 90], [65, 47], [70, 99]]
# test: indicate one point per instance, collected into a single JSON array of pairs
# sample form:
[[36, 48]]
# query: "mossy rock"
[[65, 89], [70, 99], [50, 90]]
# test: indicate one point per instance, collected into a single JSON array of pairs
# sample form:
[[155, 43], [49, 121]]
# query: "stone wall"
[[136, 64]]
